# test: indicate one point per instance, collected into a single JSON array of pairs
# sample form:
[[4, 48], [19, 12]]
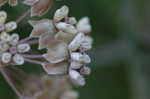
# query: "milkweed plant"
[[64, 59]]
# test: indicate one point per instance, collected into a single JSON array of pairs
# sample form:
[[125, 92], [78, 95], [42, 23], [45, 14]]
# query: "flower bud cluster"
[[79, 42], [10, 48], [66, 41]]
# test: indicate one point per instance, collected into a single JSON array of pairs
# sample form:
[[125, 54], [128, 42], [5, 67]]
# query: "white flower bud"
[[22, 48], [77, 78], [75, 65], [10, 26], [6, 57], [14, 38], [83, 58], [3, 16], [72, 20], [85, 70], [76, 42], [62, 25], [4, 46], [18, 59], [84, 25], [61, 13], [86, 44], [5, 36], [66, 27]]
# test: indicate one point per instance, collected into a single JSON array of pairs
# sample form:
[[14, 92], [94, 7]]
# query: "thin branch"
[[23, 16], [8, 79], [32, 42], [27, 40], [31, 56], [24, 40]]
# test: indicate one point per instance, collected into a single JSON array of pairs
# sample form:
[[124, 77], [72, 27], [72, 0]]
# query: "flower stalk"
[[8, 80], [22, 17], [32, 56]]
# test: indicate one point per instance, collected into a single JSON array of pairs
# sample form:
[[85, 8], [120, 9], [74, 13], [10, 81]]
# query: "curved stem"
[[24, 40], [32, 42], [23, 16], [31, 56], [27, 40], [7, 78]]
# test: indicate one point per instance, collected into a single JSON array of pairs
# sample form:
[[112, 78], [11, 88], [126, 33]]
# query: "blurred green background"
[[120, 54]]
